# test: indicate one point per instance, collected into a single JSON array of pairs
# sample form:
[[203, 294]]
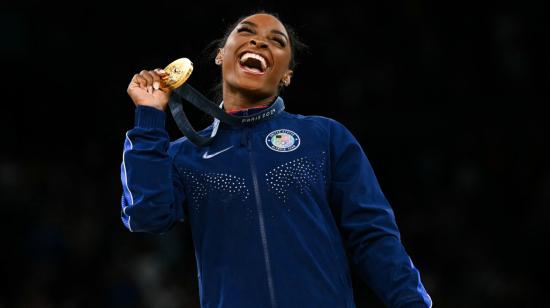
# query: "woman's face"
[[256, 56]]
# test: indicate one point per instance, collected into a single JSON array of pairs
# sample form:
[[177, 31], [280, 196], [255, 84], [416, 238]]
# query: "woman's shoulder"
[[332, 128], [325, 121]]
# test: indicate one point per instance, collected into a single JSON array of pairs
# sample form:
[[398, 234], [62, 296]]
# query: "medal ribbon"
[[191, 95]]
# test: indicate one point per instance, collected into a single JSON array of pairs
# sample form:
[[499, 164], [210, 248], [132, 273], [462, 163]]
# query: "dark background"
[[448, 101]]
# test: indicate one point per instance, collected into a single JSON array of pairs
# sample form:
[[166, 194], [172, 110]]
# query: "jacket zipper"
[[260, 219]]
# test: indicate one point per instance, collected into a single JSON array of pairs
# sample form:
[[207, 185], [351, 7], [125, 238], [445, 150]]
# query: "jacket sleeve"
[[152, 195], [368, 225]]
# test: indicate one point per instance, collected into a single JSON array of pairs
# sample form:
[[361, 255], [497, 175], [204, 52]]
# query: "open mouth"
[[253, 63]]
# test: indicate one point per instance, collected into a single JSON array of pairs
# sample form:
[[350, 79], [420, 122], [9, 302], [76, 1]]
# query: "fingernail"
[[156, 85]]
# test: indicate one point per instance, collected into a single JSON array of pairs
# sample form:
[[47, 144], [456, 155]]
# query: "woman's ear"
[[286, 78], [219, 57]]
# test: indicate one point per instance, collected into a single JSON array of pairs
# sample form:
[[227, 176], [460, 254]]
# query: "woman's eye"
[[244, 30], [279, 41]]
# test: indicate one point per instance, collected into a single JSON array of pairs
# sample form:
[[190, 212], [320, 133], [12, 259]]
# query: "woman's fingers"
[[163, 75], [141, 81], [154, 78], [146, 88], [161, 72], [148, 76], [138, 81]]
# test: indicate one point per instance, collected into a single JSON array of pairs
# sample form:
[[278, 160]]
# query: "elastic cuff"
[[149, 117]]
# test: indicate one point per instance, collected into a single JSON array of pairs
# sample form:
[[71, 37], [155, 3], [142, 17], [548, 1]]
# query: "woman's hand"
[[147, 89]]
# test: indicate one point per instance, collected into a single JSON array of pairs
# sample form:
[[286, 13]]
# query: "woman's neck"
[[238, 101]]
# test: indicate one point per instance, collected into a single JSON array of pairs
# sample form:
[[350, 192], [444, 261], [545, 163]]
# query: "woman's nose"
[[258, 43]]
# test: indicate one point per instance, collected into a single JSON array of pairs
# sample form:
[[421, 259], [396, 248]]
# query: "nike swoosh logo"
[[208, 156]]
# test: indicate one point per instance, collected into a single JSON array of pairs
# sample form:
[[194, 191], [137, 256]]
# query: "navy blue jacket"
[[272, 207]]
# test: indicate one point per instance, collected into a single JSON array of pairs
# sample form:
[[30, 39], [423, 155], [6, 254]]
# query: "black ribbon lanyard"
[[190, 94]]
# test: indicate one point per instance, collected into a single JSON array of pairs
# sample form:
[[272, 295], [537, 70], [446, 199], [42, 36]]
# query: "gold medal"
[[178, 72]]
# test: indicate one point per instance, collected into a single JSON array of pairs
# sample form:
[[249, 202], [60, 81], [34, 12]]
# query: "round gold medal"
[[178, 72]]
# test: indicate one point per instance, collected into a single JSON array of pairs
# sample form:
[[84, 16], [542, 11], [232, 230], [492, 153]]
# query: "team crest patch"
[[282, 140]]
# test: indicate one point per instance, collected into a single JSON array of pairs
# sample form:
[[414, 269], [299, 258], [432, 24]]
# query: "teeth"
[[249, 55]]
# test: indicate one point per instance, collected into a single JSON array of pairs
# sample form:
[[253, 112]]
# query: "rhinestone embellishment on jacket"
[[299, 174], [200, 184]]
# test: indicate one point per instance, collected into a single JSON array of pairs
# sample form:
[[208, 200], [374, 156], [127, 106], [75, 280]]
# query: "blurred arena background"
[[447, 99]]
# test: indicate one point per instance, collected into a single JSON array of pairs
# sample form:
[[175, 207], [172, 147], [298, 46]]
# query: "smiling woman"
[[255, 62], [274, 201]]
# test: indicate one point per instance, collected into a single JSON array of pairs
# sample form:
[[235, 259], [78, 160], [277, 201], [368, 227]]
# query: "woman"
[[273, 204]]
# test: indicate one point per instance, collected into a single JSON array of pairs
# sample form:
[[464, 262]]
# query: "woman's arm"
[[152, 189], [368, 225]]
